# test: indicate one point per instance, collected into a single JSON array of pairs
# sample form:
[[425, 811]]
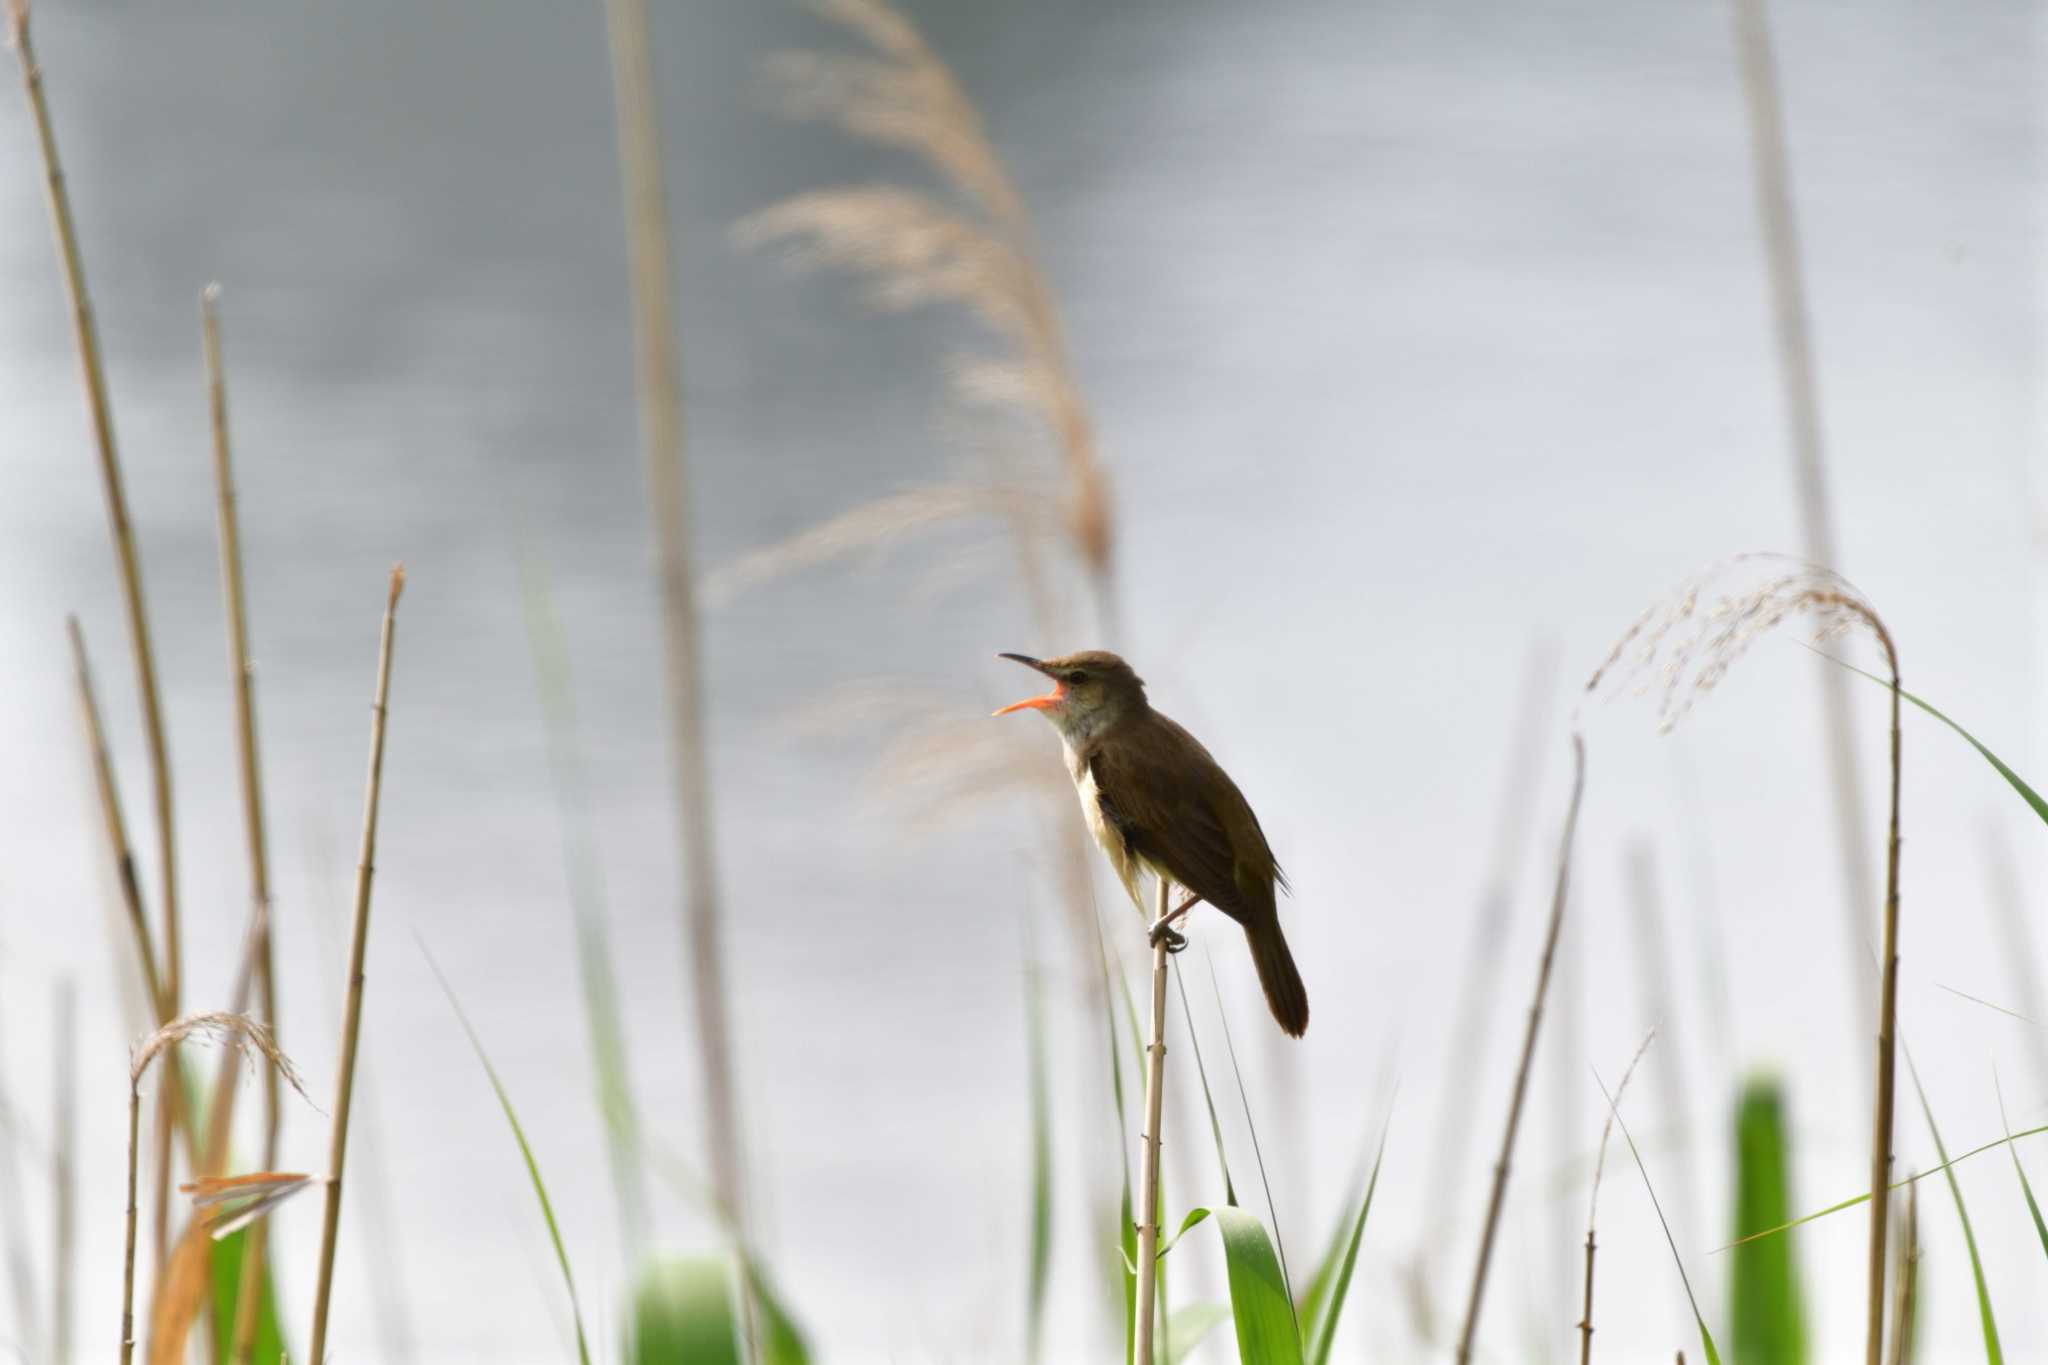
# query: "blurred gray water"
[[1415, 334]]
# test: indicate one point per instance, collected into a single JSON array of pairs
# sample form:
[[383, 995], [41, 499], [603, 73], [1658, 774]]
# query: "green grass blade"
[[1992, 1351], [683, 1314], [1706, 1337], [268, 1342], [782, 1343], [1127, 1231], [1208, 1099], [1039, 1257], [2027, 793], [540, 1188], [2026, 1188], [1853, 1200], [1767, 1320], [1189, 1325], [1323, 1324], [1260, 1305], [1258, 1157]]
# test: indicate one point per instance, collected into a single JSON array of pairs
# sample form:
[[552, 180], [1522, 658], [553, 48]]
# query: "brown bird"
[[1157, 802]]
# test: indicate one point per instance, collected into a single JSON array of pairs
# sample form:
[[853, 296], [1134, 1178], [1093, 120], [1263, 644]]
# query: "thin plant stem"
[[128, 558], [352, 1007], [656, 372], [1793, 335], [1593, 1201], [242, 671], [1148, 1166], [1507, 1142], [1905, 1288], [63, 1174], [1887, 1039]]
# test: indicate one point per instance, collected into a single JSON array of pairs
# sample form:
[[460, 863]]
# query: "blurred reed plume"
[[971, 248], [1680, 650]]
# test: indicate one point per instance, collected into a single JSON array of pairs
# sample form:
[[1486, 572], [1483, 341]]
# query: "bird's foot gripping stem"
[[1162, 930]]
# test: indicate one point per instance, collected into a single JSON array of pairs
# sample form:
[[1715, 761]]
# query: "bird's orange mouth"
[[1044, 703]]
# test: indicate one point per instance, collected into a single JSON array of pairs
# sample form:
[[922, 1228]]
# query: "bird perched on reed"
[[1157, 802]]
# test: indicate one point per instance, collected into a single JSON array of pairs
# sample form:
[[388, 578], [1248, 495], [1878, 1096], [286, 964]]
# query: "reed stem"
[[656, 367], [1887, 1040], [129, 560], [1507, 1143], [1148, 1168], [352, 1008], [242, 671], [1909, 1273]]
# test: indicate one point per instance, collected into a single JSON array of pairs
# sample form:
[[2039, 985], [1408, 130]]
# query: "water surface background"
[[1418, 336]]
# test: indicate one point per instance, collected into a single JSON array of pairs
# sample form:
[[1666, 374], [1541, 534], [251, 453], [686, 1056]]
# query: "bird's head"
[[1090, 691]]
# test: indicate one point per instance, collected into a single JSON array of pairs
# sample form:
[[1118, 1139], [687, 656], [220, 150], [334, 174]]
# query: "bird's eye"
[[1077, 677]]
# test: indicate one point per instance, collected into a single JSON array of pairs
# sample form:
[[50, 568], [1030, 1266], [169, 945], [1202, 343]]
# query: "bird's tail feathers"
[[1285, 994]]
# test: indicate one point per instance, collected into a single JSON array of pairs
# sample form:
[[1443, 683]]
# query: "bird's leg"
[[1162, 928]]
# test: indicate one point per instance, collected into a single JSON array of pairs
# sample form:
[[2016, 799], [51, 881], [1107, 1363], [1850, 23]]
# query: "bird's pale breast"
[[1128, 867]]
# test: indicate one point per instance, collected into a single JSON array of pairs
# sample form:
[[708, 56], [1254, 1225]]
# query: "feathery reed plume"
[[243, 673], [1690, 648], [1507, 1143], [657, 379], [236, 1032], [1772, 178], [1478, 990], [972, 249], [352, 1009], [128, 558], [1148, 1167], [1593, 1200], [63, 1174], [1906, 1283]]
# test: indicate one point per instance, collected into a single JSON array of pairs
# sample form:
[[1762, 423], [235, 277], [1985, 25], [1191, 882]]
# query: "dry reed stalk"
[[1800, 392], [352, 1007], [14, 1224], [242, 671], [975, 251], [63, 1174], [1498, 1199], [241, 1035], [656, 354], [1687, 650], [1905, 1288], [1148, 1168], [1477, 989], [1593, 1200], [100, 409]]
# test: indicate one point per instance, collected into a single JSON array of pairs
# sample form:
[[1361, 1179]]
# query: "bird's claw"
[[1164, 932]]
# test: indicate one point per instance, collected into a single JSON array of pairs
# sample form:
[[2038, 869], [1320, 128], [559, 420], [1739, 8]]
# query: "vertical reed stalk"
[[1909, 1273], [1507, 1142], [128, 1255], [656, 367], [352, 1008], [243, 673], [86, 331], [1801, 397], [1887, 1039], [63, 1175], [1148, 1168], [1593, 1200]]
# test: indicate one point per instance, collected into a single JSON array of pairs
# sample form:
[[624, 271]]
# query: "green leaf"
[[1194, 1216], [1767, 1320], [1259, 1301], [1188, 1325], [683, 1314], [1322, 1323], [268, 1342], [2026, 1188], [1039, 1256], [2027, 793], [1706, 1337], [540, 1189], [1992, 1353]]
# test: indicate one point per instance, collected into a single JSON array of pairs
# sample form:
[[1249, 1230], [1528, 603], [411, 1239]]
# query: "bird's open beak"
[[1051, 698]]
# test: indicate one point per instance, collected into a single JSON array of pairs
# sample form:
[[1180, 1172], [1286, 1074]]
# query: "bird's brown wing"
[[1177, 809]]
